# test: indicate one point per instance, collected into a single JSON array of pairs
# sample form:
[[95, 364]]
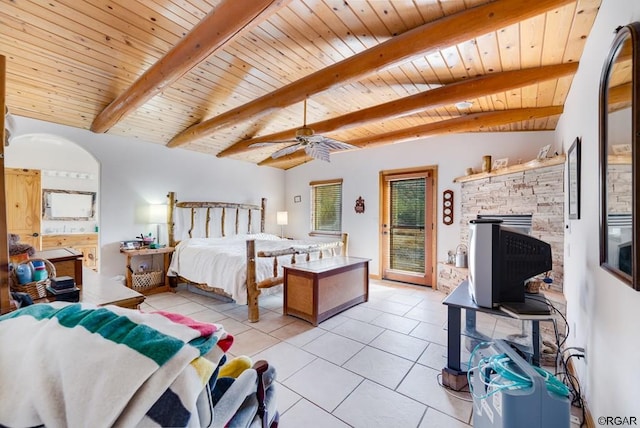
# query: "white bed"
[[224, 260], [221, 263]]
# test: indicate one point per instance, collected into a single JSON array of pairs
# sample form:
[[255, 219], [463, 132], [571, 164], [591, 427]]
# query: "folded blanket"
[[67, 365]]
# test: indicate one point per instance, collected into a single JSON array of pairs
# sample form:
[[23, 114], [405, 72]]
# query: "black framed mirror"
[[619, 127]]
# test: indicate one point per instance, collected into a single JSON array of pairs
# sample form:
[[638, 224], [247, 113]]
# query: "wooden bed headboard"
[[224, 206]]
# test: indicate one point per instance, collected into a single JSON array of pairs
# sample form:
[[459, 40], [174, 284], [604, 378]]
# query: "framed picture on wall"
[[542, 154], [573, 176]]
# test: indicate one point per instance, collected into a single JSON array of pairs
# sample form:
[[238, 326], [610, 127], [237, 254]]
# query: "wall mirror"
[[619, 147], [68, 205]]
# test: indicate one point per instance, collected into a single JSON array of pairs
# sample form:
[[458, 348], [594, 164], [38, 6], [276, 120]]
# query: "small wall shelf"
[[534, 164]]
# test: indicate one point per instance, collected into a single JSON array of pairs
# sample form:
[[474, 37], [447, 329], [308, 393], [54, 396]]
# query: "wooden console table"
[[163, 284], [319, 289]]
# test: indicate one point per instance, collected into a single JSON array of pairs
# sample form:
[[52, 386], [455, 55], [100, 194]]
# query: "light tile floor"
[[375, 365]]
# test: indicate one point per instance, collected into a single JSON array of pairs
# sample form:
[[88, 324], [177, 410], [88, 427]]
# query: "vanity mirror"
[[619, 127], [68, 205]]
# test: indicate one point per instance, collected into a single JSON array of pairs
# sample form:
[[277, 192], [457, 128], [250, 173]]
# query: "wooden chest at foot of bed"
[[319, 289]]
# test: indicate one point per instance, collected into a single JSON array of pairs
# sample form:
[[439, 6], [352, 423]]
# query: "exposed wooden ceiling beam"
[[619, 97], [474, 122], [446, 95], [439, 34], [213, 32]]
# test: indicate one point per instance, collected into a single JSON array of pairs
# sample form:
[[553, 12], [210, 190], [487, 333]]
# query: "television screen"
[[501, 260]]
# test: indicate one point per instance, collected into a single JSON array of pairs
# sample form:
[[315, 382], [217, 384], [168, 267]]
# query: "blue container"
[[40, 273], [37, 264], [24, 274]]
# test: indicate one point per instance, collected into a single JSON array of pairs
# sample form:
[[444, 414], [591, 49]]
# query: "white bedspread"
[[221, 262]]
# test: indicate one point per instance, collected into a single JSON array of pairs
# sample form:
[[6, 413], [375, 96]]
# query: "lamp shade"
[[158, 214], [282, 218]]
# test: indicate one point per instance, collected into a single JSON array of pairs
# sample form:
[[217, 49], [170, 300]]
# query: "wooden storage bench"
[[319, 289]]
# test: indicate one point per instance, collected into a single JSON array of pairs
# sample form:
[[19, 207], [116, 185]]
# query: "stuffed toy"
[[16, 248]]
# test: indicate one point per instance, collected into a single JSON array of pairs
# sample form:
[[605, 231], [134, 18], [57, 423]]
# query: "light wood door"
[[24, 204], [5, 305], [407, 227]]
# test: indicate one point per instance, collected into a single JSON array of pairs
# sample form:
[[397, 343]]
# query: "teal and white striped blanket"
[[78, 365]]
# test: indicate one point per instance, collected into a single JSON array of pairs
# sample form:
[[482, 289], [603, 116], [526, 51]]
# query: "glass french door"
[[407, 227]]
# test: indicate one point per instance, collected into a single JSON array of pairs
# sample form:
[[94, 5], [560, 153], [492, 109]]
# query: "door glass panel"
[[407, 219]]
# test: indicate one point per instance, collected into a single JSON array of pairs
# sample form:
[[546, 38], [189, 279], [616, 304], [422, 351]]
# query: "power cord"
[[449, 390], [499, 373], [562, 368], [572, 382]]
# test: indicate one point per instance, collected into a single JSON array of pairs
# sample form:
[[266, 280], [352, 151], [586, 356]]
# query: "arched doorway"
[[62, 165]]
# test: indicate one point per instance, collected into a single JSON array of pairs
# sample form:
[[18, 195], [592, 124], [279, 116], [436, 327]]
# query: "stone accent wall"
[[619, 189], [450, 276], [539, 192]]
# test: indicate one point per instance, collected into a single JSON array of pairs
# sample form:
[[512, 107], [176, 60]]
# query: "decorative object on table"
[[500, 163], [282, 219], [621, 149], [469, 171], [486, 163], [461, 256], [130, 245], [542, 154], [447, 207], [297, 199], [359, 205], [573, 175], [451, 257], [146, 239]]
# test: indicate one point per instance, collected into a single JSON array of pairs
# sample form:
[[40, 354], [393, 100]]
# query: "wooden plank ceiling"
[[374, 72]]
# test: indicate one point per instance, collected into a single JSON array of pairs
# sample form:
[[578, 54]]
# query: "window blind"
[[326, 213]]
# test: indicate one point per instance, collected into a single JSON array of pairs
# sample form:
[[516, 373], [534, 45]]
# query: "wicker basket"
[[146, 280], [35, 289], [533, 286]]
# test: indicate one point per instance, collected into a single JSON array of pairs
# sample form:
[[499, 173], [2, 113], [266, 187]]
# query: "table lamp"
[[282, 219], [158, 216]]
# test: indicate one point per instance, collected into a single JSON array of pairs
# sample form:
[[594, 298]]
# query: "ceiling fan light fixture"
[[463, 104], [304, 132]]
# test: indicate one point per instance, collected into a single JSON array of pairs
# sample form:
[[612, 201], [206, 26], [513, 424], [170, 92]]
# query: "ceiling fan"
[[315, 146]]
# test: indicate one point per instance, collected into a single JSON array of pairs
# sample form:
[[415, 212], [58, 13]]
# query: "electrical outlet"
[[575, 420]]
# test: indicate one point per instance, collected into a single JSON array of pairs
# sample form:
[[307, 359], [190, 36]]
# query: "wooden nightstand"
[[148, 282]]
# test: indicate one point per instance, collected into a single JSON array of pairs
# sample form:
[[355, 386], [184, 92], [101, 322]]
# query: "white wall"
[[603, 313], [135, 173], [360, 169]]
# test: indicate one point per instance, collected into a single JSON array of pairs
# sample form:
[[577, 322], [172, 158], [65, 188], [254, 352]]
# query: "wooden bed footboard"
[[329, 249]]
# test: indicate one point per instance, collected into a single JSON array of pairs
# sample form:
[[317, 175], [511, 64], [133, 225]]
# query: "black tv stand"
[[453, 375], [534, 304]]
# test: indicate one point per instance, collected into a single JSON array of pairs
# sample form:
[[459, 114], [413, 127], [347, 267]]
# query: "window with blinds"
[[326, 207]]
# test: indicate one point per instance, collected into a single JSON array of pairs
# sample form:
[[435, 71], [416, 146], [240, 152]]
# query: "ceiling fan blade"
[[317, 151], [270, 143], [286, 151], [335, 144]]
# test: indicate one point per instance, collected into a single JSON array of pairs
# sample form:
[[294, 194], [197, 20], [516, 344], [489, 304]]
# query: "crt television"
[[501, 259]]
